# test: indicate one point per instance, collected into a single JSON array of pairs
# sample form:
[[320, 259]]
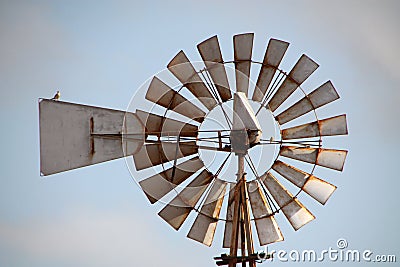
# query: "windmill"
[[173, 140]]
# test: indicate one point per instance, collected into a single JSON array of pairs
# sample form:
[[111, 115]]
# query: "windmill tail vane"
[[216, 109]]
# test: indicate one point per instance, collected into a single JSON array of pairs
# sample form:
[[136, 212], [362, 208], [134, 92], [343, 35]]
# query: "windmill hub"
[[216, 129], [243, 140]]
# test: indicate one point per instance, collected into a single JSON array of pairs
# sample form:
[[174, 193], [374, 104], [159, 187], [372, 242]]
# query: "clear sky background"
[[100, 52]]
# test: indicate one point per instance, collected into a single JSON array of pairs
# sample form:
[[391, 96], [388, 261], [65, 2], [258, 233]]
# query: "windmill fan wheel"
[[179, 141]]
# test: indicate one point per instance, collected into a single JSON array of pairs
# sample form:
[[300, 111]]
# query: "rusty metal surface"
[[273, 56], [67, 141], [210, 52], [154, 154], [176, 211], [332, 158], [305, 154], [184, 71], [302, 131], [158, 125], [243, 48], [304, 67], [161, 94], [160, 184], [294, 210], [332, 126], [317, 188], [292, 174], [203, 228], [267, 229], [321, 96], [329, 158]]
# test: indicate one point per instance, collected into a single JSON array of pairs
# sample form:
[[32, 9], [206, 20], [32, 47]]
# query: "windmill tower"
[[173, 140]]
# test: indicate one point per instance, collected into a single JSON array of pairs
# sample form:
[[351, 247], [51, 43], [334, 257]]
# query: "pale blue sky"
[[100, 52]]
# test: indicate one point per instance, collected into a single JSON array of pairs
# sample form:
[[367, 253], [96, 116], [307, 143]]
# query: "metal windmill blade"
[[205, 115]]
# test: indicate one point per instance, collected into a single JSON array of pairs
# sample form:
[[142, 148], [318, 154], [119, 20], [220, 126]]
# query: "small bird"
[[56, 96], [271, 139]]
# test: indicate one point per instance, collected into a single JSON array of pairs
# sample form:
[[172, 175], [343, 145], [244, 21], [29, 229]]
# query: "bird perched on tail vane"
[[56, 96]]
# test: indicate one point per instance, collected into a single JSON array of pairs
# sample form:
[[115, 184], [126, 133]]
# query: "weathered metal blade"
[[161, 126], [304, 67], [329, 158], [321, 96], [229, 217], [327, 127], [184, 71], [211, 54], [74, 136], [203, 228], [295, 176], [160, 184], [176, 211], [267, 229], [273, 56], [295, 212], [243, 48], [154, 154], [163, 95], [318, 189]]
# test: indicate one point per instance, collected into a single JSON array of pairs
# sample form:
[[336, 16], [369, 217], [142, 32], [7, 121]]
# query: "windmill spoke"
[[213, 90], [304, 143], [189, 144], [277, 81], [270, 201], [276, 49], [203, 228], [252, 166]]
